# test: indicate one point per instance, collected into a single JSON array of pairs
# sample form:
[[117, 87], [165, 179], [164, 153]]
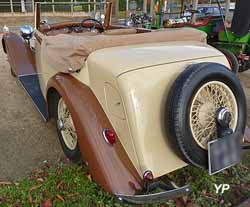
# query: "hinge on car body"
[[71, 70]]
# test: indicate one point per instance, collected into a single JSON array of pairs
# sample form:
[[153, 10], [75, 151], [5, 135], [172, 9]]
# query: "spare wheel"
[[195, 97]]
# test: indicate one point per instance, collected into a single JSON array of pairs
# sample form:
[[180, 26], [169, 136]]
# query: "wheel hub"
[[66, 126], [224, 117], [60, 124]]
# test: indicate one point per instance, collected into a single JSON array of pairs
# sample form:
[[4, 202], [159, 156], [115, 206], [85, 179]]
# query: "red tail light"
[[148, 175], [109, 136]]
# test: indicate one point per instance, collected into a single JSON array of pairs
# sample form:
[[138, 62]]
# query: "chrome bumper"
[[166, 194]]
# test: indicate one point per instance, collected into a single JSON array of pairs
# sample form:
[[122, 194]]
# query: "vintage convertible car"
[[132, 104]]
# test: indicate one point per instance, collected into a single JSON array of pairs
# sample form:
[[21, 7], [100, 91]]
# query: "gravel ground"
[[26, 140]]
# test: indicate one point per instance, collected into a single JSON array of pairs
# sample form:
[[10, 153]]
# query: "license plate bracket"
[[223, 153]]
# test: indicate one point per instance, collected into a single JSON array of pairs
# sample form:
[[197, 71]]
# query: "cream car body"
[[132, 85]]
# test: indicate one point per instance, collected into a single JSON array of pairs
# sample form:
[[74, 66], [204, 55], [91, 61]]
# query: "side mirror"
[[26, 32]]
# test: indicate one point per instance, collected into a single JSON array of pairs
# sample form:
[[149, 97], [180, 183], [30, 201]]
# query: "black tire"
[[75, 154], [12, 72], [4, 46], [232, 59], [179, 103], [5, 51], [244, 66]]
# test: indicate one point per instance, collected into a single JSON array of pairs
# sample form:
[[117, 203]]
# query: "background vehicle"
[[139, 20], [234, 43], [204, 11]]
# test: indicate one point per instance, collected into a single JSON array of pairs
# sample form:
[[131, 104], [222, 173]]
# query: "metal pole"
[[195, 7], [94, 5], [117, 9], [33, 6], [107, 19], [218, 2], [11, 6], [127, 5], [182, 7], [145, 6], [104, 7], [38, 15], [127, 8], [152, 2], [53, 7], [227, 7], [170, 8], [195, 4], [23, 10], [89, 6], [71, 6]]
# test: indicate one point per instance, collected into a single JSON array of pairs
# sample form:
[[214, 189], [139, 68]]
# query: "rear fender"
[[108, 165]]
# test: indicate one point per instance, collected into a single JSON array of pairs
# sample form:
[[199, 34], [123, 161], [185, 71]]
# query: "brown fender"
[[108, 165], [20, 56]]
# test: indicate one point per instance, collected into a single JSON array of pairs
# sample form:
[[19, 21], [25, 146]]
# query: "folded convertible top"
[[67, 53]]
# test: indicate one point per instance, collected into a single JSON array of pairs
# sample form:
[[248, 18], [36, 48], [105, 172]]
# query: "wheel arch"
[[109, 166]]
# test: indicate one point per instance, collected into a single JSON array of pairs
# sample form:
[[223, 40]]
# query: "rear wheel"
[[66, 131], [206, 102], [244, 65], [195, 98]]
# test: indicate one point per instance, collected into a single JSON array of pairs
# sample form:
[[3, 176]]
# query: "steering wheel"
[[101, 29]]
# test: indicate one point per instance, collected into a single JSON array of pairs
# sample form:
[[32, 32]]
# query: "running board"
[[32, 86]]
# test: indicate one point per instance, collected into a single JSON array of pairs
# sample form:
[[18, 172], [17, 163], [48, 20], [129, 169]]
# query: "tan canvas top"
[[63, 52]]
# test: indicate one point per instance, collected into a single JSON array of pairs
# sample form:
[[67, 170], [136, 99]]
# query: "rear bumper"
[[155, 197]]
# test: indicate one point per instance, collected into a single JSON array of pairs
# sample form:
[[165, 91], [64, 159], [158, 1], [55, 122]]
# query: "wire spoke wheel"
[[66, 126], [205, 104], [197, 96]]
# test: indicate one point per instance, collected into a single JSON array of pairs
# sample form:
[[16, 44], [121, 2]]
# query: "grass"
[[62, 185], [65, 184]]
